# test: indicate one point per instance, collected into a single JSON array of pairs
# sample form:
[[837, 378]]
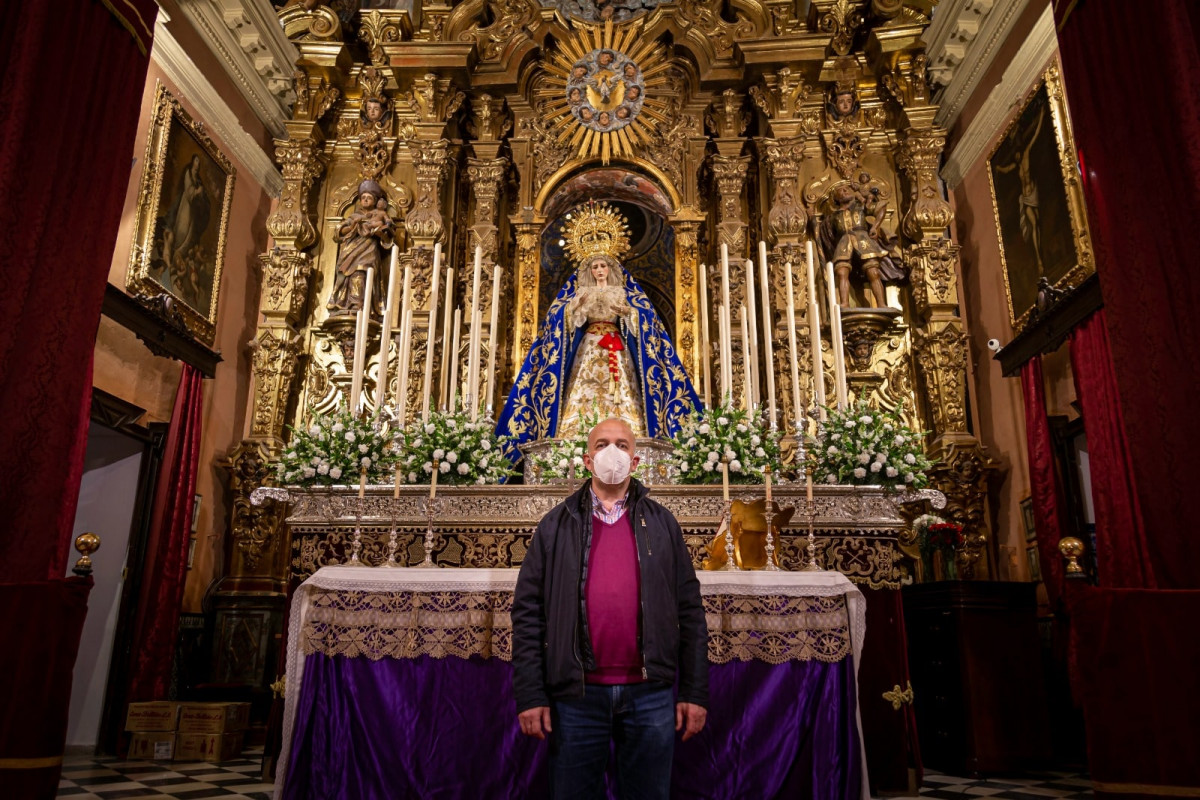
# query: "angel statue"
[[364, 237], [601, 348], [848, 220]]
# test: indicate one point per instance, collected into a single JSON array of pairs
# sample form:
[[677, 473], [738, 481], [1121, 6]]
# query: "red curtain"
[[70, 90], [156, 626], [40, 625], [1130, 73], [1043, 478], [1122, 548]]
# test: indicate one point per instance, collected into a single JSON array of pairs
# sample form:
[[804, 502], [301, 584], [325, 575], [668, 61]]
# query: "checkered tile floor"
[[108, 778]]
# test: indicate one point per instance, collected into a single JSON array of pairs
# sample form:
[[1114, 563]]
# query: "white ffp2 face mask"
[[611, 465]]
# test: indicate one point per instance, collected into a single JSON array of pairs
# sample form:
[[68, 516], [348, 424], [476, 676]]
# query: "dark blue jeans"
[[638, 718]]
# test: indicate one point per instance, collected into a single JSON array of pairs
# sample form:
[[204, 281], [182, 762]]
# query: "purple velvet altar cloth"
[[447, 728]]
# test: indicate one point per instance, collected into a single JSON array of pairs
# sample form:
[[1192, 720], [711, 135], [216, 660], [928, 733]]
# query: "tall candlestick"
[[493, 335], [430, 330], [835, 328], [747, 392], [727, 335], [385, 338], [797, 405], [752, 328], [472, 393], [405, 354], [452, 361], [705, 338], [447, 355], [814, 331], [768, 331]]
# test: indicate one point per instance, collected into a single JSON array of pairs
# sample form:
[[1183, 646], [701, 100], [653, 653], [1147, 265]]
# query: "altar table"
[[399, 685]]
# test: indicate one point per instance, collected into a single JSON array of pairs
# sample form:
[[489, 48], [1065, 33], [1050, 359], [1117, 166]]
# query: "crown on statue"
[[595, 229]]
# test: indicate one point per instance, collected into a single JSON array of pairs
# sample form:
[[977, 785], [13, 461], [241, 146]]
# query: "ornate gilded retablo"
[[600, 87]]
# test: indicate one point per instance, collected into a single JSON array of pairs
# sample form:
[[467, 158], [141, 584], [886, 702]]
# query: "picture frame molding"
[[1064, 141], [139, 282]]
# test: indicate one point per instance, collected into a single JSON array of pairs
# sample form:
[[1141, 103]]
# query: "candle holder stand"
[[769, 517], [727, 517], [431, 507]]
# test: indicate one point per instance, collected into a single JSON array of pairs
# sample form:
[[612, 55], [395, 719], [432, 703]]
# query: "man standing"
[[606, 616]]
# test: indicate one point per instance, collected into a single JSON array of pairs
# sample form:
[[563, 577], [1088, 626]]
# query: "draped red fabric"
[[157, 623], [1130, 73], [890, 735], [1043, 478], [70, 94], [43, 622], [1122, 547]]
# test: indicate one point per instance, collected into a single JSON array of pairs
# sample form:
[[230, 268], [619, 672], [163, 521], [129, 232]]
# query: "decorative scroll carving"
[[846, 150], [486, 178], [301, 161], [528, 268], [842, 20], [285, 277], [431, 162], [549, 154], [962, 470], [720, 34], [276, 352], [687, 260], [668, 144], [256, 529], [906, 82], [488, 121], [783, 93], [786, 219], [315, 95], [512, 18], [726, 116], [379, 28], [730, 175], [433, 99], [933, 276], [928, 215], [942, 357]]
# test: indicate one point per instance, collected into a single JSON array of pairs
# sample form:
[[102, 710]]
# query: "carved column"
[[486, 177], [687, 300], [528, 270], [962, 465]]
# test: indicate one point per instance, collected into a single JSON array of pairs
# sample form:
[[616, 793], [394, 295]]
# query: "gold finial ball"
[[87, 543], [1072, 549]]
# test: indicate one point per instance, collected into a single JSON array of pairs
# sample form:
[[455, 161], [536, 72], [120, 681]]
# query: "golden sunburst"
[[602, 90]]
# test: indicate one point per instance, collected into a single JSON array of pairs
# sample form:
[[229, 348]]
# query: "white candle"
[[444, 383], [751, 308], [768, 334], [493, 338], [355, 374], [430, 330], [705, 338], [452, 360], [360, 358], [835, 328], [747, 392], [814, 331], [405, 356], [794, 352], [723, 332], [472, 393], [727, 333], [385, 339]]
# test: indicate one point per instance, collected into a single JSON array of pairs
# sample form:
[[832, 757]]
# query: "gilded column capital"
[[431, 162], [729, 173], [727, 116], [933, 274], [489, 121], [780, 97], [432, 100], [301, 161], [918, 156], [285, 281], [486, 178], [786, 219]]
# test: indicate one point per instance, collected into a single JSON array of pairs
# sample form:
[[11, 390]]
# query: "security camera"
[[994, 345]]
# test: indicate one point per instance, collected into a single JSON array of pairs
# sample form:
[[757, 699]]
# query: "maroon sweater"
[[613, 594]]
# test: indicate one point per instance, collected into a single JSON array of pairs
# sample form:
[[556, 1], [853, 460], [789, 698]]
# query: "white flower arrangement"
[[466, 452], [731, 433], [334, 449], [869, 446]]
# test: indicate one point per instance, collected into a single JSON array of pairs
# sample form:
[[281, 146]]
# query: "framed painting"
[[1027, 519], [182, 217], [1037, 199]]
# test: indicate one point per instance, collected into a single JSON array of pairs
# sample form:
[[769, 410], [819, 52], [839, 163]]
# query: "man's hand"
[[689, 714], [535, 722]]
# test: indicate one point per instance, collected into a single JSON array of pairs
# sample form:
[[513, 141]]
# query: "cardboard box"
[[208, 746], [161, 715], [213, 717], [152, 746]]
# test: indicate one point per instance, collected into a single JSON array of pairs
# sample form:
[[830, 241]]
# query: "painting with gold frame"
[[182, 217], [1037, 198]]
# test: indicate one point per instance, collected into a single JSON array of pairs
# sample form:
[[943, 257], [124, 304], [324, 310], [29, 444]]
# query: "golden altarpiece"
[[738, 123]]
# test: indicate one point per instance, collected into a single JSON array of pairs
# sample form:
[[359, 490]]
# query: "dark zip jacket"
[[551, 645]]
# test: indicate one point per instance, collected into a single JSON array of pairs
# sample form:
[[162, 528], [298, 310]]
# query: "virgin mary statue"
[[601, 350]]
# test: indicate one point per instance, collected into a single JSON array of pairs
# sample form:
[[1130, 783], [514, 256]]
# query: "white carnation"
[[735, 466], [832, 451], [483, 462], [755, 440], [909, 458], [835, 436], [323, 469], [881, 457], [760, 453], [578, 461], [866, 419], [722, 420], [486, 444], [292, 454], [850, 423], [463, 469], [418, 442], [729, 454], [864, 458], [362, 448], [705, 429], [741, 428], [429, 428], [708, 466], [479, 481], [335, 473], [309, 472], [898, 440], [908, 477], [427, 466], [315, 460], [350, 437], [443, 467], [452, 457], [887, 426], [313, 430], [439, 454], [691, 442], [890, 472], [451, 423], [713, 456], [564, 464], [338, 427], [366, 462], [412, 477], [684, 466], [831, 478], [859, 472], [876, 466]]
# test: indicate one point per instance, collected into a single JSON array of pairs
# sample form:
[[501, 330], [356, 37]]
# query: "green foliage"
[[466, 452], [865, 446], [730, 433], [333, 449]]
